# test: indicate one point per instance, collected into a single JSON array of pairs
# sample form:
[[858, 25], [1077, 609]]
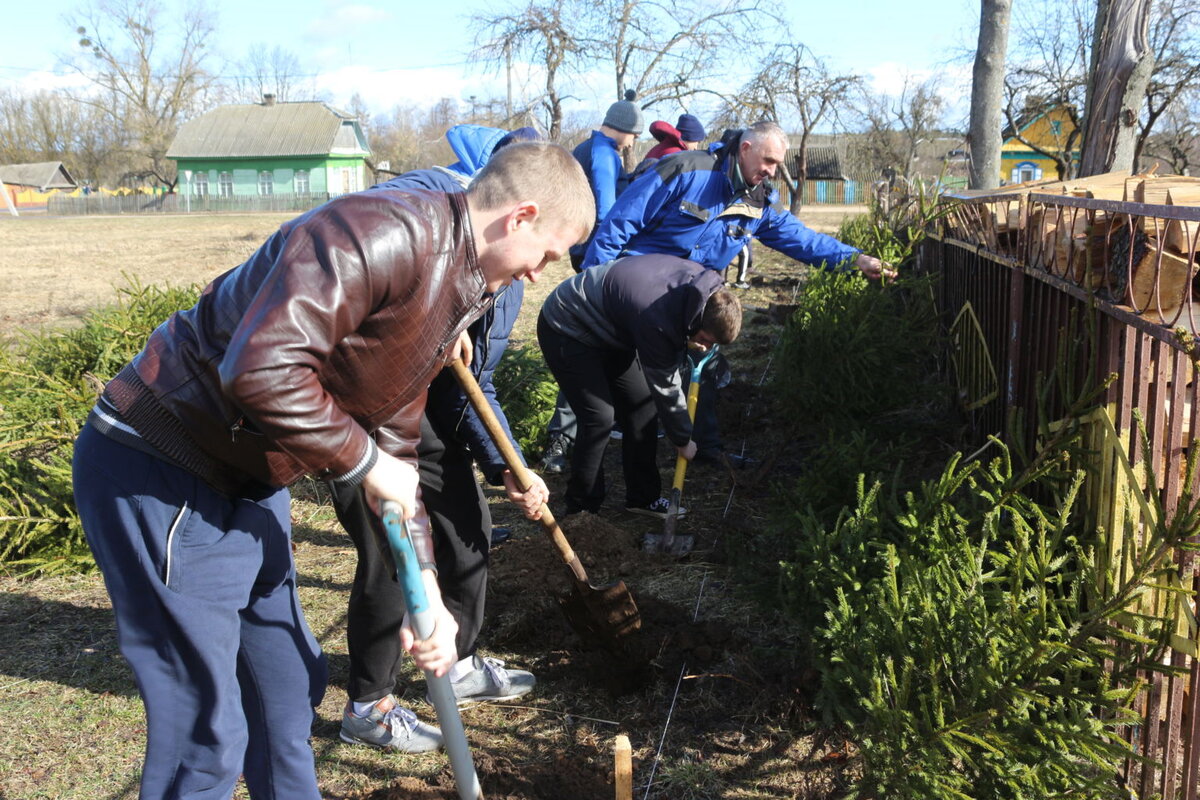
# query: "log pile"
[[1135, 256]]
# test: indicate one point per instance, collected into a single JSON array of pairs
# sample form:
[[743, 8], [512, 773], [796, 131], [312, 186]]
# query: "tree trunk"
[[987, 88], [1120, 70], [801, 177]]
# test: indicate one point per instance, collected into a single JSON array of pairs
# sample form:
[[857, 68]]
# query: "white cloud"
[[384, 89], [31, 82], [344, 19]]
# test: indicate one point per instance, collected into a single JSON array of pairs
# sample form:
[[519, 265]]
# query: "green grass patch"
[[48, 383]]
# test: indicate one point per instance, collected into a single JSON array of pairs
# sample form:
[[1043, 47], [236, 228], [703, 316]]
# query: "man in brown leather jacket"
[[285, 366]]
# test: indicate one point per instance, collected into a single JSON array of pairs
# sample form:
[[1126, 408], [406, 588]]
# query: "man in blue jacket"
[[453, 439], [706, 206]]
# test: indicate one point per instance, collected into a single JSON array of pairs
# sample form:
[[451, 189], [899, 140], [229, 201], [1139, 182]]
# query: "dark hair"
[[722, 317]]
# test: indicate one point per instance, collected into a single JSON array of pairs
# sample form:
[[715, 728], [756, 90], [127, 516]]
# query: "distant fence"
[[856, 190], [174, 203]]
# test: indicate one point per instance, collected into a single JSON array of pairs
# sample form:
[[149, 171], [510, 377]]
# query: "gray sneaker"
[[390, 727], [491, 681]]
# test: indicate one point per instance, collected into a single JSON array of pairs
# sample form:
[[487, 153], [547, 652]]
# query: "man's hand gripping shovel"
[[408, 572], [667, 541]]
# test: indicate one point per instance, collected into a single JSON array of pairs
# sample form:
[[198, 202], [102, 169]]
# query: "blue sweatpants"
[[204, 591]]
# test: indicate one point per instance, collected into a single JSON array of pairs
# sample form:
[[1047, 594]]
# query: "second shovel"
[[605, 614]]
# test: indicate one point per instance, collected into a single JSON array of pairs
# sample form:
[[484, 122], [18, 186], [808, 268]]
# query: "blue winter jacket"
[[447, 408], [686, 206], [601, 162]]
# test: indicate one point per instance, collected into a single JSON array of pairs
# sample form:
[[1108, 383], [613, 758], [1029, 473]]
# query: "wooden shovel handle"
[[513, 461]]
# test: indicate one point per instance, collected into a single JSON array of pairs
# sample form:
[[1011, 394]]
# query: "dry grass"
[[52, 269]]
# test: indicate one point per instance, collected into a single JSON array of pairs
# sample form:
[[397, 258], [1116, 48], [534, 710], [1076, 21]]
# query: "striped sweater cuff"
[[355, 476]]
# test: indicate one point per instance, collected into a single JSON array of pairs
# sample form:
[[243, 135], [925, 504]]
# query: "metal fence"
[[174, 203], [1030, 282]]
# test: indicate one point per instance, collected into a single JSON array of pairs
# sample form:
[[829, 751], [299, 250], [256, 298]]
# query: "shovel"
[[668, 542], [602, 613], [408, 572]]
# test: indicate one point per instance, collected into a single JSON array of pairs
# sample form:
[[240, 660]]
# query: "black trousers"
[[604, 385], [461, 536]]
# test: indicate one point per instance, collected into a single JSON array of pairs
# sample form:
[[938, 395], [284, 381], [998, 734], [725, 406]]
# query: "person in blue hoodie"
[[453, 440]]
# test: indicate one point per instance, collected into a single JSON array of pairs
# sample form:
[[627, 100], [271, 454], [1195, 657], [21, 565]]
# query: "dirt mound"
[[529, 572]]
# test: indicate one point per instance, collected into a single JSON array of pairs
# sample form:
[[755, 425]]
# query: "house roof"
[[268, 129], [41, 176], [824, 164], [1026, 118]]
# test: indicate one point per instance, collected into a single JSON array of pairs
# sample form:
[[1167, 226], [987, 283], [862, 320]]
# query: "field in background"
[[52, 269]]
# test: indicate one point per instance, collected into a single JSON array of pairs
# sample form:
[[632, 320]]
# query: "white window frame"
[[266, 183], [302, 181], [225, 184]]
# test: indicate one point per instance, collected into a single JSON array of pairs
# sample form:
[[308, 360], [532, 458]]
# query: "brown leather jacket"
[[335, 326]]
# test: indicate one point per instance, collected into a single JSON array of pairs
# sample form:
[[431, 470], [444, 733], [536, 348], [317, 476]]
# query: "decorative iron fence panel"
[[1028, 283]]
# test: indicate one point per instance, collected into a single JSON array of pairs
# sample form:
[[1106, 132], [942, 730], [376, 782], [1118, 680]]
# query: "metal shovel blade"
[[606, 614]]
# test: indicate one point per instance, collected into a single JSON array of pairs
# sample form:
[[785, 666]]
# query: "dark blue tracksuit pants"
[[204, 591]]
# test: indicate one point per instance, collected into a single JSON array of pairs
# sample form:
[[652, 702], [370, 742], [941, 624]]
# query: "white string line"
[[703, 581], [675, 697], [749, 406]]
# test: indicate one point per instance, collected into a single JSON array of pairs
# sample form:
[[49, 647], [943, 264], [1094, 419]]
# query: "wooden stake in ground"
[[623, 758]]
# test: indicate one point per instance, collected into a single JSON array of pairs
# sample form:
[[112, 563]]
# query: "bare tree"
[[795, 86], [1120, 72], [674, 49], [896, 127], [1049, 71], [987, 93], [413, 138], [52, 126], [274, 71], [1175, 39], [147, 74], [1176, 142], [546, 34]]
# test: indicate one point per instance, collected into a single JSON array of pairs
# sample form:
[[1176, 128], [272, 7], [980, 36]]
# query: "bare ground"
[[710, 693]]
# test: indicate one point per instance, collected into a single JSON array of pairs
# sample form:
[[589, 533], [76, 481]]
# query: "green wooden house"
[[270, 148]]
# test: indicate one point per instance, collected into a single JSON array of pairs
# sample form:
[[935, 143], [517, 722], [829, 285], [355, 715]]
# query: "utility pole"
[[508, 110]]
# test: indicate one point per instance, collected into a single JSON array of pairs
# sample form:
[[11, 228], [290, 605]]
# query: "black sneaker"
[[554, 460], [656, 509]]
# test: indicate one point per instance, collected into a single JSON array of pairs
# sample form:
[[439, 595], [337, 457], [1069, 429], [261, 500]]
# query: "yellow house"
[[1049, 130]]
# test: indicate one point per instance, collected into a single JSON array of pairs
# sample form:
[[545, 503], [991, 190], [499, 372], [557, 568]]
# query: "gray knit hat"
[[625, 116]]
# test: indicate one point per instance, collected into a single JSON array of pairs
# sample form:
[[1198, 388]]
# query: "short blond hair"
[[543, 173]]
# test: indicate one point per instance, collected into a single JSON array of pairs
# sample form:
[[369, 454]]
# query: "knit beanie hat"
[[690, 129], [625, 116], [526, 134]]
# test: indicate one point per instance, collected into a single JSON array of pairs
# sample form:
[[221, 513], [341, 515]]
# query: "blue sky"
[[414, 52]]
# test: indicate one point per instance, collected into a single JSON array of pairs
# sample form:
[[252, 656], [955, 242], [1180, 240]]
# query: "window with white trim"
[[225, 184], [266, 182], [301, 181]]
